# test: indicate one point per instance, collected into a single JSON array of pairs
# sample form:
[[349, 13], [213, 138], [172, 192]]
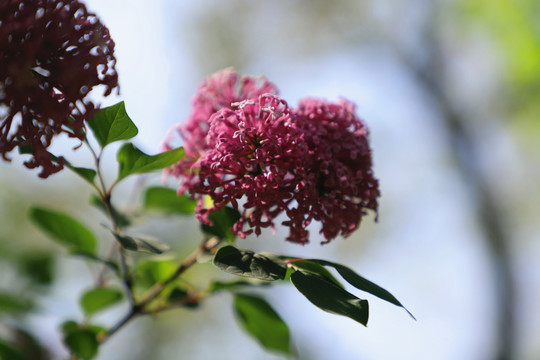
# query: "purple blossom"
[[52, 54], [265, 159], [254, 154], [216, 92], [339, 185]]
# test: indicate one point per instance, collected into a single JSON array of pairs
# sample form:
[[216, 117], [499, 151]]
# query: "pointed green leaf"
[[134, 161], [363, 284], [152, 271], [316, 268], [64, 229], [216, 286], [260, 320], [82, 342], [223, 221], [112, 124], [248, 263], [99, 299], [87, 174], [329, 297], [168, 201], [140, 244]]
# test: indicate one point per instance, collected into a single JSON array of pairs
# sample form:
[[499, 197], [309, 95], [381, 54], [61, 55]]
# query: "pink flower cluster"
[[52, 54], [247, 148]]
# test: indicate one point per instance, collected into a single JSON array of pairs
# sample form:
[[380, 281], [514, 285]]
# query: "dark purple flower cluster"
[[251, 150], [52, 54]]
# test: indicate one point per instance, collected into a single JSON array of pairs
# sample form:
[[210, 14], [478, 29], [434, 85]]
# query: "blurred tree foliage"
[[512, 27]]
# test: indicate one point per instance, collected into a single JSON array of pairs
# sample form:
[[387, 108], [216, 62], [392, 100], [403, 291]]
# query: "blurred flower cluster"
[[246, 147], [52, 54]]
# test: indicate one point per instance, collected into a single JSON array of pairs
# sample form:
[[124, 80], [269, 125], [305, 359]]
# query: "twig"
[[204, 246], [138, 308]]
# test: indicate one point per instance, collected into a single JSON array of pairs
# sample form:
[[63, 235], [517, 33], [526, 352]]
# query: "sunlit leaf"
[[82, 342], [134, 161], [112, 124], [64, 229], [99, 299], [260, 320], [152, 271], [168, 201]]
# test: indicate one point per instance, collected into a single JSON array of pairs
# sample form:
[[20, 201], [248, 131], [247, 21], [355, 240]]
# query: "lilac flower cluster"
[[52, 54], [247, 148]]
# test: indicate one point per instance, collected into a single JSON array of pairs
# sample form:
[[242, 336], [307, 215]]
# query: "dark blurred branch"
[[430, 75]]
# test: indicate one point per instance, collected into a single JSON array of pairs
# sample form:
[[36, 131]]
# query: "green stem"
[[204, 246], [105, 195], [138, 308]]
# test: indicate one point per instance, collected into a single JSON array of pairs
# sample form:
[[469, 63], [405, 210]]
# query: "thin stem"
[[101, 277], [138, 308], [97, 159], [126, 276], [204, 246], [130, 315], [191, 298], [105, 195]]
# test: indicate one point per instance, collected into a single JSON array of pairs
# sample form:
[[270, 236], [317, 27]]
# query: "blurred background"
[[449, 90]]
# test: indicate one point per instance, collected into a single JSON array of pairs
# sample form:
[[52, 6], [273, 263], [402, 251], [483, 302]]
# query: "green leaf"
[[248, 263], [177, 294], [38, 267], [82, 342], [363, 284], [69, 326], [216, 286], [329, 297], [311, 266], [99, 299], [134, 161], [121, 219], [223, 221], [168, 201], [87, 174], [152, 271], [112, 124], [64, 229], [139, 244], [261, 321], [13, 304]]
